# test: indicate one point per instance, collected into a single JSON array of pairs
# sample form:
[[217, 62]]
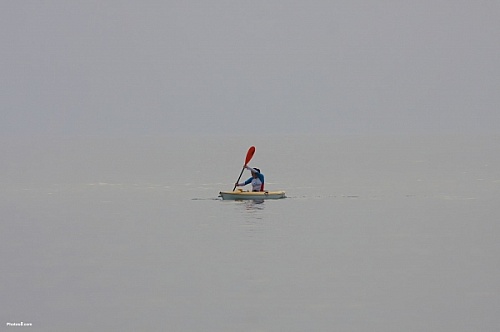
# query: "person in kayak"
[[257, 179]]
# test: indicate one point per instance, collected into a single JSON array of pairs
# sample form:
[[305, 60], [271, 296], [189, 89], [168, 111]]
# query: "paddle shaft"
[[249, 156], [239, 177]]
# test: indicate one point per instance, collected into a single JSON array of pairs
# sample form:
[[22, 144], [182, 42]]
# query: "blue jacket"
[[258, 183]]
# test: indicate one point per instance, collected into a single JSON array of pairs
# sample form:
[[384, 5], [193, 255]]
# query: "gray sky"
[[226, 67]]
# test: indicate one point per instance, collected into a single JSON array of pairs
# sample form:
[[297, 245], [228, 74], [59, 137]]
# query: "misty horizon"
[[94, 69]]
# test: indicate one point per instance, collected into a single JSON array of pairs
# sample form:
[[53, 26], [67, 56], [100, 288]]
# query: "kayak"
[[240, 194]]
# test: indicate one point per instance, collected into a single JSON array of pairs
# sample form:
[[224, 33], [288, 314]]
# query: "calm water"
[[377, 234]]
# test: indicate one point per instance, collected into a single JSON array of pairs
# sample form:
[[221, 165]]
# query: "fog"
[[118, 68]]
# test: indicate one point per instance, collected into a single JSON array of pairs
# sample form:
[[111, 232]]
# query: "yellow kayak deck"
[[240, 194]]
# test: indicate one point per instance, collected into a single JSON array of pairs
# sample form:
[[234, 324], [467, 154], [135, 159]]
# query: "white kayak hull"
[[240, 194]]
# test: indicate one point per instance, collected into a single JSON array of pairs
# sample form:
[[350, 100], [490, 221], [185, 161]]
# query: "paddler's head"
[[255, 174]]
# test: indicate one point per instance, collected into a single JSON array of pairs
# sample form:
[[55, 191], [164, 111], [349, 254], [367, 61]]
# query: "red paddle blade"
[[250, 153]]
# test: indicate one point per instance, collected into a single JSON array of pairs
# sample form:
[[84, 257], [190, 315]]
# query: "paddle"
[[250, 153]]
